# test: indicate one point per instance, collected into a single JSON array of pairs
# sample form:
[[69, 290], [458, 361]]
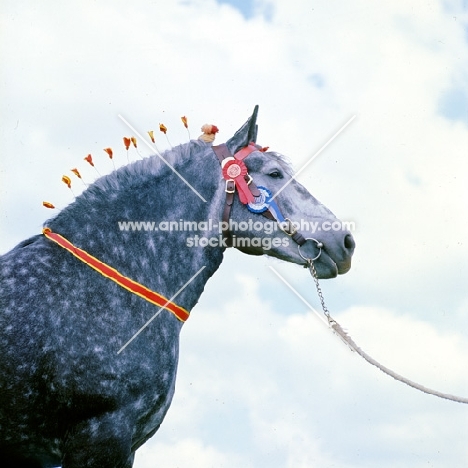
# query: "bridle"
[[258, 199]]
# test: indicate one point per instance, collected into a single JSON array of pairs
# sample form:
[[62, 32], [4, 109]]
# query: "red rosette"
[[233, 169], [236, 170]]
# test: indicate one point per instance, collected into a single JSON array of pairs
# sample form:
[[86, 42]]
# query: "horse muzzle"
[[331, 253]]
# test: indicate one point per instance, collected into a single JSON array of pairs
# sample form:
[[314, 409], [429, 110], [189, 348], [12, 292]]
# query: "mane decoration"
[[208, 136], [209, 133]]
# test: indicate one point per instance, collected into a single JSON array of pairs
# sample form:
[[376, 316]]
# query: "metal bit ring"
[[319, 245]]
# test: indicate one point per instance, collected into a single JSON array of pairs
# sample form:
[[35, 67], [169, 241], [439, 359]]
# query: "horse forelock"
[[284, 161]]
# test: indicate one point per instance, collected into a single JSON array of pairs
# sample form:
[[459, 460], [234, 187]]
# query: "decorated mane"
[[137, 172]]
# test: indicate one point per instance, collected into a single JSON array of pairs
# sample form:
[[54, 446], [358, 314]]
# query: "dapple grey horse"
[[67, 395]]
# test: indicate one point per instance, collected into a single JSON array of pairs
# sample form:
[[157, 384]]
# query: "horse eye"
[[275, 174]]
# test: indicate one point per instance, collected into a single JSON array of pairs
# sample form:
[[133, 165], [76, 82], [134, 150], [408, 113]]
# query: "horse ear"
[[246, 134]]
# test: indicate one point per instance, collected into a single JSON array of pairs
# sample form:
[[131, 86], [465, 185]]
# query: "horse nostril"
[[349, 242]]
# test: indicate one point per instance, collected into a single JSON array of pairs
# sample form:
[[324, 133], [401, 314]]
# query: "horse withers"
[[75, 389]]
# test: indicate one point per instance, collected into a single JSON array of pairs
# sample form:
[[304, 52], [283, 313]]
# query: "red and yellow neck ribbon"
[[123, 281]]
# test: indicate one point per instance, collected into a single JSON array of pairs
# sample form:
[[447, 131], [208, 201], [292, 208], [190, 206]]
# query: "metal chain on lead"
[[313, 272]]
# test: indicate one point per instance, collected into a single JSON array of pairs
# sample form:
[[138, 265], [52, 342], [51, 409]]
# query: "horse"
[[76, 389]]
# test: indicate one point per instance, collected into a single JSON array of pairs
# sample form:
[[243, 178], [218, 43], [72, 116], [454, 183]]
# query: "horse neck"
[[158, 259]]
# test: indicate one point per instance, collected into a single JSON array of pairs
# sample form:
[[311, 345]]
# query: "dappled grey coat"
[[66, 395]]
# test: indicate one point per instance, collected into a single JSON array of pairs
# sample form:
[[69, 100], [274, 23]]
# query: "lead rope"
[[336, 327]]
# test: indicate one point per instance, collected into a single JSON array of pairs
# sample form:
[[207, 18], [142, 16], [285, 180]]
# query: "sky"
[[261, 381]]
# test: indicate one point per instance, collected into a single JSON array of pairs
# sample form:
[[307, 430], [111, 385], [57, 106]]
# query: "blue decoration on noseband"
[[261, 202], [275, 211], [264, 202]]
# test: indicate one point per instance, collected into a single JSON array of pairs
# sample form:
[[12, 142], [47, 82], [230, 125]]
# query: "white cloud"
[[187, 452], [413, 346], [284, 391]]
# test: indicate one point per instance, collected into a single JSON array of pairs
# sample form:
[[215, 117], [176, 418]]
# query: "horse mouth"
[[344, 267], [328, 268], [324, 263]]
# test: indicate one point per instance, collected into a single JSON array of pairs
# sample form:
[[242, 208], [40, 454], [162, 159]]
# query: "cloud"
[[282, 390], [185, 452], [421, 350], [454, 104]]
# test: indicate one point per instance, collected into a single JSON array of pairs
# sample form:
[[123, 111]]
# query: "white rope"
[[336, 327], [349, 341]]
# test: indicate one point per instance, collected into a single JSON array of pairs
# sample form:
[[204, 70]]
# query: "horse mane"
[[129, 178], [136, 173]]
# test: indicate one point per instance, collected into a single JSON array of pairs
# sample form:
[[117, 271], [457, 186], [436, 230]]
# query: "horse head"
[[283, 220]]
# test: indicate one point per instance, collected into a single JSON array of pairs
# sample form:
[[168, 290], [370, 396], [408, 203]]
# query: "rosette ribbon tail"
[[275, 211], [245, 195]]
